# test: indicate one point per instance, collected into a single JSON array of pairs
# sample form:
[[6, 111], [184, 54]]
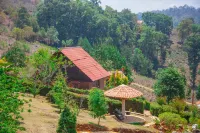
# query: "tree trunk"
[[99, 120]]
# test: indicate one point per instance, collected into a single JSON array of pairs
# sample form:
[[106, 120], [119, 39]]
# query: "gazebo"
[[123, 92]]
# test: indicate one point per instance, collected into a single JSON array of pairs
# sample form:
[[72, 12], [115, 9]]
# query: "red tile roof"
[[85, 63]]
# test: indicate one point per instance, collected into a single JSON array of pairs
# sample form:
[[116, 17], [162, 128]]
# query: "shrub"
[[161, 100], [67, 122], [187, 115], [3, 44], [97, 104], [147, 105], [155, 109], [178, 104], [167, 108], [79, 91], [16, 56], [193, 120], [18, 33], [171, 120]]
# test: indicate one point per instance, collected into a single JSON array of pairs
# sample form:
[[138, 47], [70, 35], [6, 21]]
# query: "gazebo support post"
[[123, 107]]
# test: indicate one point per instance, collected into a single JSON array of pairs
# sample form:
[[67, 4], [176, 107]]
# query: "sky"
[[147, 5]]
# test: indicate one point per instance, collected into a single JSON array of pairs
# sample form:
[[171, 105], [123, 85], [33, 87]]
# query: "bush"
[[167, 108], [187, 115], [171, 120], [193, 120], [79, 91], [178, 104], [3, 44], [16, 55], [147, 105], [155, 109], [161, 100], [67, 122]]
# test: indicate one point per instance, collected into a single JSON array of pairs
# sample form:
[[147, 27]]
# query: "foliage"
[[97, 104], [67, 122], [178, 104], [85, 44], [138, 105], [161, 22], [10, 104], [180, 13], [22, 18], [87, 20], [3, 44], [2, 17], [161, 100], [141, 64], [185, 28], [18, 33], [155, 109], [147, 105], [117, 78], [44, 67], [170, 83], [171, 120], [168, 108], [192, 47], [16, 55], [198, 93], [66, 43]]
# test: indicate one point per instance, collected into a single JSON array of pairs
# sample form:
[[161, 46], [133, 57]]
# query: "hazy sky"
[[148, 5]]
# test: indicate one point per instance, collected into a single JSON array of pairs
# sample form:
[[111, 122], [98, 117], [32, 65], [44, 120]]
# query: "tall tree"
[[192, 47], [185, 28]]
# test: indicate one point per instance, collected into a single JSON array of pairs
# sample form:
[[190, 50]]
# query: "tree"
[[52, 35], [22, 18], [185, 28], [97, 104], [67, 122], [192, 47], [161, 22], [141, 64], [170, 83], [85, 44], [66, 43], [16, 55]]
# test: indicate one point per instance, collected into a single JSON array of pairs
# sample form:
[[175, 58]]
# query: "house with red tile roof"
[[86, 72]]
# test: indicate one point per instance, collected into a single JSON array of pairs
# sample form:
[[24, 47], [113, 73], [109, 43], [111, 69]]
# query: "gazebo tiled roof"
[[123, 92]]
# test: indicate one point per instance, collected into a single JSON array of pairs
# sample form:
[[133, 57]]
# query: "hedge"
[[155, 109], [79, 91]]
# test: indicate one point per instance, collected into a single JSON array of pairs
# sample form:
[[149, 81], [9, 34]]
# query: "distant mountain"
[[179, 13]]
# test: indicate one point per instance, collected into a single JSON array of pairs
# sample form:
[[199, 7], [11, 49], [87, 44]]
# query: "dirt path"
[[44, 117]]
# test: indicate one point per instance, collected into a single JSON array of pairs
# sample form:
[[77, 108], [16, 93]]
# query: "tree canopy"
[[170, 83]]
